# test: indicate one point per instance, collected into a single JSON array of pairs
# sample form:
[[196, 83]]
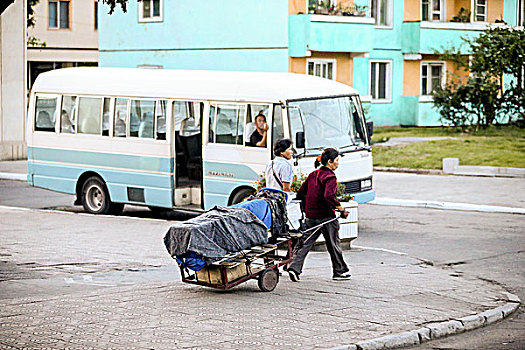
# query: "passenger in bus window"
[[65, 123], [120, 124], [258, 137], [43, 122], [105, 124], [279, 171]]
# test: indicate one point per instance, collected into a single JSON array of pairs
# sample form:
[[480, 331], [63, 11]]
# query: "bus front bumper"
[[365, 196]]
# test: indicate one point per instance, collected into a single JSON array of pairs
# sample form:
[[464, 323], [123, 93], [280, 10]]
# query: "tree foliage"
[[483, 98], [113, 3]]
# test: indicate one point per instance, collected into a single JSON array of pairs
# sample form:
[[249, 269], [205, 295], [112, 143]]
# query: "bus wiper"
[[357, 148], [303, 154], [349, 145]]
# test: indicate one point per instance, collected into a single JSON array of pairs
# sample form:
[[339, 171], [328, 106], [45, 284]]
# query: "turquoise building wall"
[[204, 34], [261, 36], [387, 45]]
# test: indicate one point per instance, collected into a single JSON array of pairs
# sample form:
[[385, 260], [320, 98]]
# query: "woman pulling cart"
[[320, 202]]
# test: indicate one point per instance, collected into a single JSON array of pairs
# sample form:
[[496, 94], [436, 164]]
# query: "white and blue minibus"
[[181, 139]]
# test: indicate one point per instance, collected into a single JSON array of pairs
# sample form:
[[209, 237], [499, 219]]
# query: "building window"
[[322, 68], [150, 10], [432, 76], [521, 13], [480, 10], [432, 10], [58, 14], [381, 80], [382, 12]]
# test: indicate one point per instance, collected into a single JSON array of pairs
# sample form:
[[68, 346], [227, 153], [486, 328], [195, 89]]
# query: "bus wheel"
[[95, 198], [242, 195]]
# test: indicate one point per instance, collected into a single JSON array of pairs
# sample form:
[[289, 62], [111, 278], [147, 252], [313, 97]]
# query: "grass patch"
[[502, 146]]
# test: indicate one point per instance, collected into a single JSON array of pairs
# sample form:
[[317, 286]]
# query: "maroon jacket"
[[319, 193]]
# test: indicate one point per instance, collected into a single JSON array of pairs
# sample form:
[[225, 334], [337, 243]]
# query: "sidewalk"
[[392, 299]]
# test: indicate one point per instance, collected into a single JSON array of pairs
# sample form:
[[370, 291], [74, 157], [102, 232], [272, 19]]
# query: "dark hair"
[[328, 154], [281, 146], [260, 115]]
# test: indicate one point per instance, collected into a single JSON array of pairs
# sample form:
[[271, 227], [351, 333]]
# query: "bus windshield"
[[328, 122]]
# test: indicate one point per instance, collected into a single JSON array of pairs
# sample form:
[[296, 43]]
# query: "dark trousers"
[[330, 232]]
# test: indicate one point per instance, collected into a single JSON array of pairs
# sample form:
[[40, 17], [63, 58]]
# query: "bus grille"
[[352, 186], [355, 186]]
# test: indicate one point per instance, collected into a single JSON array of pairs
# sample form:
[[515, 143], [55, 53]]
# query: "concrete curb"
[[446, 205], [437, 330], [409, 170], [13, 176], [464, 171]]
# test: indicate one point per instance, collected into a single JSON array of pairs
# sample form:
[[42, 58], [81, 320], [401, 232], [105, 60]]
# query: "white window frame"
[[58, 27], [429, 64], [390, 14], [388, 82], [474, 12], [431, 12], [520, 13], [143, 19], [322, 61]]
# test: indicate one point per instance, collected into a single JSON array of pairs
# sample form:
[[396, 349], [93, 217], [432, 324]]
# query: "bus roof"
[[187, 84]]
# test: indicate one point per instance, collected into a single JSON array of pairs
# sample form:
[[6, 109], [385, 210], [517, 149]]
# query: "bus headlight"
[[366, 184]]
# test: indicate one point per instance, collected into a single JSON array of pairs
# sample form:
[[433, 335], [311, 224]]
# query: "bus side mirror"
[[299, 139], [370, 131]]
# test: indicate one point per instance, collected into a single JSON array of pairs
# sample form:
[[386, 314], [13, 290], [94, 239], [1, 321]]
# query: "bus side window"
[[105, 117], [141, 121], [211, 128], [277, 124], [45, 113], [121, 109], [250, 128], [67, 115], [89, 118], [161, 120], [230, 124]]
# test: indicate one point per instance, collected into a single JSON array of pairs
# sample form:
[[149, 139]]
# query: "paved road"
[[103, 281], [469, 246]]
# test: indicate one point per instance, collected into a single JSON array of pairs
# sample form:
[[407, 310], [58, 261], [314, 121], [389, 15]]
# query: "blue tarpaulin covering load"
[[215, 234], [260, 208]]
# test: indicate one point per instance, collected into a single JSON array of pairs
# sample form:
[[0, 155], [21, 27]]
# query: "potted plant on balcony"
[[354, 10], [463, 16]]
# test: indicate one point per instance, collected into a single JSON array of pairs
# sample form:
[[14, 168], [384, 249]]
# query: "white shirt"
[[283, 169]]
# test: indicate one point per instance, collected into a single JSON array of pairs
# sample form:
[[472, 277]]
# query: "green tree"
[[483, 98], [113, 3]]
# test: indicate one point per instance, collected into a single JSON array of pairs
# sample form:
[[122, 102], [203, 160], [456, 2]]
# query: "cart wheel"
[[268, 279]]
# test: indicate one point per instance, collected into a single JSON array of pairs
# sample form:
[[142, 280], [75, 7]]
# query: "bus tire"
[[242, 195], [95, 198]]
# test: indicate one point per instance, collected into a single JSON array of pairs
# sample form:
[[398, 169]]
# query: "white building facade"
[[13, 92]]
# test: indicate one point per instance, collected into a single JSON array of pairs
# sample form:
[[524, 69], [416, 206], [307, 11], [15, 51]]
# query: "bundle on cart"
[[228, 245], [213, 235]]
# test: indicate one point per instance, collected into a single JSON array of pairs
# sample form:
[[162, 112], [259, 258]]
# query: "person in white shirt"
[[279, 171]]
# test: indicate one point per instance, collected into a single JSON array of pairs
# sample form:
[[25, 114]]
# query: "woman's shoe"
[[341, 277], [294, 276]]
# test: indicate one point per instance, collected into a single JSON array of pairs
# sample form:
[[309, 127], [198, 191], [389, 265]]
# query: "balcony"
[[328, 33], [432, 37]]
